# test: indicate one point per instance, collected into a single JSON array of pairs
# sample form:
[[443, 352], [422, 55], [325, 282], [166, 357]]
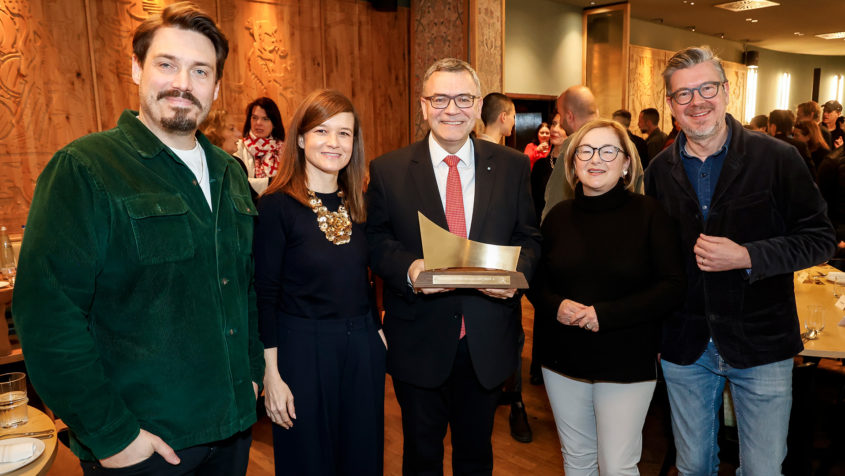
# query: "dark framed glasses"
[[607, 153], [707, 90], [441, 101]]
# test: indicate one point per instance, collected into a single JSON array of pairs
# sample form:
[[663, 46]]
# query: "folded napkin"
[[16, 452]]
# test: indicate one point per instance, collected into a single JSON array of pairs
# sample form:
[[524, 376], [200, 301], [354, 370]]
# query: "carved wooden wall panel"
[[439, 29], [488, 37], [275, 51], [45, 94], [645, 84], [60, 80], [737, 74], [381, 87], [646, 87]]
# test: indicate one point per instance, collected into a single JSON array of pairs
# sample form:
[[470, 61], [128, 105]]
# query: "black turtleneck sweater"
[[620, 253]]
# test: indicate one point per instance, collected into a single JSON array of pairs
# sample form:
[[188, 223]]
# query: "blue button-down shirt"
[[704, 175]]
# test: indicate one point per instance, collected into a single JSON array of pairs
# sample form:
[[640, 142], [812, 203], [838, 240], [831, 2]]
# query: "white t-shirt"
[[195, 160]]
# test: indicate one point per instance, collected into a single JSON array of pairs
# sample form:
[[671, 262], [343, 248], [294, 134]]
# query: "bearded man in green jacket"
[[134, 301]]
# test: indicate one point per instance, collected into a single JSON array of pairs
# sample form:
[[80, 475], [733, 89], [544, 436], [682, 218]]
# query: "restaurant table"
[[831, 342], [38, 421], [814, 290]]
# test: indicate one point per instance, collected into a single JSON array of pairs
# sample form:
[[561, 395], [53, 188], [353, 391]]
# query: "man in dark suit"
[[780, 127], [449, 350], [623, 117]]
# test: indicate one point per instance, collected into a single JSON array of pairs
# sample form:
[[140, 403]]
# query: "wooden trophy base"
[[473, 278]]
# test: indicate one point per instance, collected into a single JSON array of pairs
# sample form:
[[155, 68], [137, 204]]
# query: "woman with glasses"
[[610, 271]]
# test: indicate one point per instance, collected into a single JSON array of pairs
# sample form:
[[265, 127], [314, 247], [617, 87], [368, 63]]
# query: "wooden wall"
[[65, 70], [439, 29]]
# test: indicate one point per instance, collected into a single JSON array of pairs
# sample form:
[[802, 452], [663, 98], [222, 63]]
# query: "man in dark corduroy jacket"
[[749, 216], [135, 302]]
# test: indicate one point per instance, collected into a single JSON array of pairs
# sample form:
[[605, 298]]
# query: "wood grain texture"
[[45, 97], [439, 29], [487, 39]]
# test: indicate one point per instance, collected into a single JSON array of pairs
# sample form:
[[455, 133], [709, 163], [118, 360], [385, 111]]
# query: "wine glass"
[[814, 321]]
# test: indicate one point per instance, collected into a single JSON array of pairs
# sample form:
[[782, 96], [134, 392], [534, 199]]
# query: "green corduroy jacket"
[[134, 301]]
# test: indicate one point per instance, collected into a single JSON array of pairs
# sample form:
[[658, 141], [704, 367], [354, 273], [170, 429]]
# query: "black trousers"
[[335, 369], [464, 405], [228, 457]]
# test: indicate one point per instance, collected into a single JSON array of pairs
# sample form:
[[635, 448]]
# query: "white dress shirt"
[[466, 169]]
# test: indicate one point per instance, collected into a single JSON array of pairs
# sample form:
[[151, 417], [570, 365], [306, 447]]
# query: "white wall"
[[542, 47]]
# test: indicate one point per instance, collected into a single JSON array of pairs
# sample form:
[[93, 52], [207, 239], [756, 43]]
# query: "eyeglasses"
[[607, 153], [442, 101], [707, 90]]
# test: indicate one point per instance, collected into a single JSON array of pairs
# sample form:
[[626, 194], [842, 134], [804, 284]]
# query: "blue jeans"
[[762, 398]]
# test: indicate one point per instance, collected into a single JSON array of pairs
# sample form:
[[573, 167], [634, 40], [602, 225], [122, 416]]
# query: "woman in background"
[[324, 349], [221, 131], [262, 142], [610, 271], [542, 168], [539, 147], [809, 133]]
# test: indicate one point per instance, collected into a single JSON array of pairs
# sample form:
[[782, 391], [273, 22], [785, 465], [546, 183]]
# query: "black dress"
[[620, 253], [314, 305]]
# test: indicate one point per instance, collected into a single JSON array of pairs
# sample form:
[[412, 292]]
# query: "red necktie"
[[455, 217]]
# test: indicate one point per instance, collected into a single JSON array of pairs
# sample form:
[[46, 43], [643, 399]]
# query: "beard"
[[180, 122], [703, 131]]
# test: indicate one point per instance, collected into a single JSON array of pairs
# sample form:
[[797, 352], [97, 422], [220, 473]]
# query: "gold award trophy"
[[455, 262]]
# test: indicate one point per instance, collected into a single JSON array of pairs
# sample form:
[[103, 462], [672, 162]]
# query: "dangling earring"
[[625, 173]]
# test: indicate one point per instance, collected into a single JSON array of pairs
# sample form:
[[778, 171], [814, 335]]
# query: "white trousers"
[[600, 424]]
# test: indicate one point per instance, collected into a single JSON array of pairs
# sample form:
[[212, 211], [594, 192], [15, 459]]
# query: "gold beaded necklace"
[[336, 225]]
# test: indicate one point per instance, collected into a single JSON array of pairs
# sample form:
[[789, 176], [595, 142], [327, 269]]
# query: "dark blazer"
[[831, 180], [641, 146], [422, 331], [765, 200]]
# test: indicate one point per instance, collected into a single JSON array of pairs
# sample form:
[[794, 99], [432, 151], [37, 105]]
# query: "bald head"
[[576, 106]]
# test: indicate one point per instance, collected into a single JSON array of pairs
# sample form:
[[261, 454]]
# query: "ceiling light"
[[832, 36], [743, 5], [753, 21], [798, 33]]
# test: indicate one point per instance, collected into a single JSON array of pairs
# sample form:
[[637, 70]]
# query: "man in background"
[[576, 106], [780, 127], [760, 123], [623, 116], [498, 115], [656, 139]]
